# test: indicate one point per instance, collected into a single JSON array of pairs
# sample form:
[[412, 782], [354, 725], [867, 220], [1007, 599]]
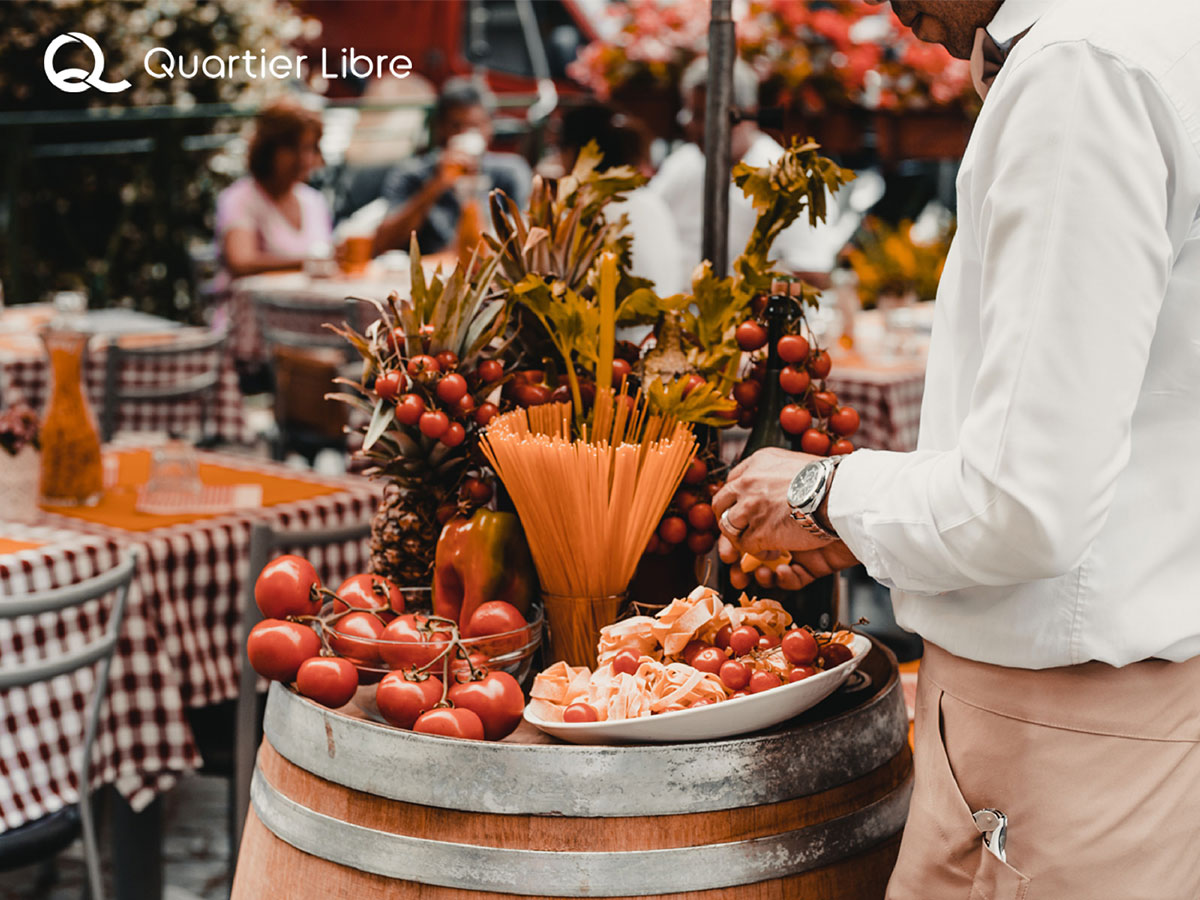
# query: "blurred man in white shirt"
[[1042, 538]]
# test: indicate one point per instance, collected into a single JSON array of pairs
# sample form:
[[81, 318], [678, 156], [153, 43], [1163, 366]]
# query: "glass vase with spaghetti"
[[589, 500]]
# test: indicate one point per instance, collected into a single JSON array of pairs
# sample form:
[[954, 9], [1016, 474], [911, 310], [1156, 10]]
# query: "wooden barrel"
[[344, 807]]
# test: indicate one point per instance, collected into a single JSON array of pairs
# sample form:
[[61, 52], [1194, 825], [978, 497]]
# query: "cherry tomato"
[[768, 642], [824, 402], [390, 384], [763, 681], [434, 424], [451, 389], [751, 336], [395, 339], [356, 636], [692, 648], [423, 365], [841, 447], [735, 674], [820, 364], [815, 442], [744, 639], [702, 518], [454, 434], [370, 592], [445, 513], [800, 647], [620, 370], [485, 413], [800, 673], [700, 542], [329, 680], [693, 381], [465, 406], [403, 644], [722, 637], [793, 380], [709, 659], [697, 471], [747, 393], [835, 654], [653, 546], [581, 712], [401, 701], [795, 419], [844, 421], [496, 699], [626, 661], [747, 417], [276, 648], [758, 371], [447, 360], [737, 694], [685, 500], [455, 723], [792, 348], [410, 409], [460, 669], [477, 490], [495, 617], [491, 370], [285, 588], [673, 530]]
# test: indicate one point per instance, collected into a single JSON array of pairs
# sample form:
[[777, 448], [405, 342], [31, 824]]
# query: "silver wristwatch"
[[808, 489]]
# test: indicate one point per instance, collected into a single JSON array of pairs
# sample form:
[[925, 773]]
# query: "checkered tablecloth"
[[25, 373], [181, 646], [888, 403]]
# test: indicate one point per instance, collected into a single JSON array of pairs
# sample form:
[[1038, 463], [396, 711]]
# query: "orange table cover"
[[10, 545]]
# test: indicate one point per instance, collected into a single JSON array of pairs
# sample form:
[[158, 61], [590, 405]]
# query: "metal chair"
[[265, 543], [203, 384], [45, 837]]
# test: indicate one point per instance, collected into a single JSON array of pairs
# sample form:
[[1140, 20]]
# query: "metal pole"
[[722, 47]]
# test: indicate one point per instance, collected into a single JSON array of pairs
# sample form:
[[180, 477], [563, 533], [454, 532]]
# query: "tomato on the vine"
[[735, 674], [763, 681], [390, 384], [793, 348], [580, 712], [276, 648], [750, 336], [747, 393], [709, 659], [496, 617], [795, 419], [800, 673], [434, 424], [844, 421], [490, 370], [620, 371], [370, 592], [824, 402], [692, 382], [820, 364], [454, 435], [423, 365], [404, 644], [447, 360], [835, 654], [793, 380], [701, 517], [329, 680], [402, 701], [410, 409], [285, 588], [721, 639], [673, 530], [768, 642], [841, 447], [700, 542], [744, 639], [485, 413], [697, 471], [356, 636], [800, 647], [685, 500], [477, 490], [451, 389], [496, 699], [815, 442], [455, 723]]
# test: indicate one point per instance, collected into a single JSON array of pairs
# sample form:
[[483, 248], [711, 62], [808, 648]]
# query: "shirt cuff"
[[849, 503]]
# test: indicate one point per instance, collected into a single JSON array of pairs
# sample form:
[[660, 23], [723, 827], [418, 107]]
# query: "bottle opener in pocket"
[[993, 825]]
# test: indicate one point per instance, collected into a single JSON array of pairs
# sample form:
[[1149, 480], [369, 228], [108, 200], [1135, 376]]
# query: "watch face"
[[804, 484]]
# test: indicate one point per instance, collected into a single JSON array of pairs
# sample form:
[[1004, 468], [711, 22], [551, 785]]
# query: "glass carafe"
[[72, 474]]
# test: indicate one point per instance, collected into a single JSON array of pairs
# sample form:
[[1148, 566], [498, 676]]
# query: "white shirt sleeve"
[[1071, 196]]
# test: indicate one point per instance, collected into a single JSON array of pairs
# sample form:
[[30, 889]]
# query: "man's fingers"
[[814, 563], [764, 576], [724, 499], [739, 579], [786, 578], [728, 553], [802, 576]]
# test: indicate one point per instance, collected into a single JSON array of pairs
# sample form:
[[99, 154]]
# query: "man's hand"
[[803, 568], [453, 165], [752, 507]]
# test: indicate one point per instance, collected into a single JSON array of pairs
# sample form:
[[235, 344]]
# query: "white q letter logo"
[[75, 80]]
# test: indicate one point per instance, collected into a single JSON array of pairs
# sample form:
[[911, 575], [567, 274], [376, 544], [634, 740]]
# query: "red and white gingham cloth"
[[888, 403], [181, 647], [25, 373]]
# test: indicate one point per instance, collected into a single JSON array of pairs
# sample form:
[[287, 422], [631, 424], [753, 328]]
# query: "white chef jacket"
[[1051, 513]]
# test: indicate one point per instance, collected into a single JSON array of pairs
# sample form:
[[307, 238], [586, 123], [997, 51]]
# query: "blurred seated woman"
[[271, 220]]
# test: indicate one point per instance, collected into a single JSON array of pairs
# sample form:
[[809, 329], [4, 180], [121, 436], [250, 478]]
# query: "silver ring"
[[729, 528]]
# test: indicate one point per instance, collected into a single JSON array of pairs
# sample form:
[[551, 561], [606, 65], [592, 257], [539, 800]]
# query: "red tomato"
[[477, 490], [747, 417], [561, 394], [434, 424], [673, 530], [722, 637], [700, 542], [277, 648], [356, 636], [495, 617], [737, 694], [747, 393], [404, 644], [455, 723], [491, 370], [697, 471], [447, 360], [410, 409], [685, 499], [841, 447], [815, 442], [824, 402], [735, 675], [451, 389], [800, 647], [763, 681], [496, 699], [620, 371], [328, 680], [423, 365], [800, 673], [485, 413], [692, 648], [401, 701], [835, 654], [743, 640], [792, 348], [395, 339], [795, 419], [653, 546], [460, 669], [793, 380], [464, 407], [581, 712], [702, 518], [751, 336], [693, 381], [820, 364], [390, 384], [710, 659], [845, 421], [768, 642], [626, 661], [454, 434], [370, 592], [285, 588]]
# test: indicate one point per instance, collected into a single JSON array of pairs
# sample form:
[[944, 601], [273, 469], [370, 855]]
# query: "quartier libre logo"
[[159, 63]]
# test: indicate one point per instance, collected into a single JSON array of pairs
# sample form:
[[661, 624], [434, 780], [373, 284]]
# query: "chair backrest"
[[202, 383], [296, 323]]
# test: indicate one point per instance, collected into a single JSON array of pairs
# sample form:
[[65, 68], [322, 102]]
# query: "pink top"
[[245, 205]]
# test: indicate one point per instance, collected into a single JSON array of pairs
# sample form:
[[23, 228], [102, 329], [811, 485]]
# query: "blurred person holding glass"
[[428, 194], [271, 220]]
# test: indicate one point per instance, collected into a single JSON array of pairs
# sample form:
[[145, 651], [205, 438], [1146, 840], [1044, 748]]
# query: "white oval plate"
[[705, 723]]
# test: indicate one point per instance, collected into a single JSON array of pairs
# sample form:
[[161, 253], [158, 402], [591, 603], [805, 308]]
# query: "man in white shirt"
[[680, 183], [1043, 536]]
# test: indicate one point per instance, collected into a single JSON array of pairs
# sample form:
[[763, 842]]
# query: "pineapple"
[[404, 532]]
